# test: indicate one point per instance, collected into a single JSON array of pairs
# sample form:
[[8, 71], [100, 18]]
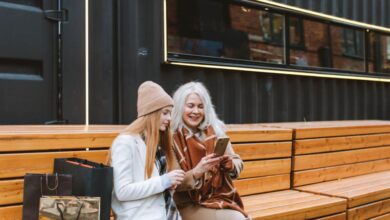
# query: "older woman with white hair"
[[196, 128]]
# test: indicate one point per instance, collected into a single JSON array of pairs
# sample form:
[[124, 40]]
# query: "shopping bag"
[[37, 185], [69, 208], [89, 179]]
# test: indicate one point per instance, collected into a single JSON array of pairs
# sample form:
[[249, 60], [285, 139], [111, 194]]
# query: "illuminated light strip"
[[284, 72], [86, 63], [165, 31], [322, 15]]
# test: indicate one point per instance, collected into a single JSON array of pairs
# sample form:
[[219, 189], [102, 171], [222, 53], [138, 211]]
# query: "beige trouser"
[[196, 212]]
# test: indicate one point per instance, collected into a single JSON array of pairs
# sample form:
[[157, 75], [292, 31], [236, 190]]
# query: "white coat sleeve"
[[126, 188]]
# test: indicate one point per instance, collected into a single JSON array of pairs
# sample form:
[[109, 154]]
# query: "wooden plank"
[[340, 216], [262, 184], [359, 190], [256, 133], [308, 146], [11, 212], [54, 143], [338, 172], [11, 191], [348, 183], [317, 129], [382, 217], [323, 206], [263, 150], [277, 196], [370, 210], [58, 131], [312, 161], [16, 165], [266, 168]]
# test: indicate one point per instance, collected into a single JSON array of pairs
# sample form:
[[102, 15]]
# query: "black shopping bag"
[[89, 179], [37, 185]]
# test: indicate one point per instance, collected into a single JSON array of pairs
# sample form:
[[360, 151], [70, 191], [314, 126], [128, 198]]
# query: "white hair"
[[210, 117]]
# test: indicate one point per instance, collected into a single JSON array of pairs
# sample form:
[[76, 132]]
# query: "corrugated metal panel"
[[245, 97]]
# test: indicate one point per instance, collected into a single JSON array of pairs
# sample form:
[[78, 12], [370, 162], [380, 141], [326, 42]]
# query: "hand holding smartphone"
[[220, 146]]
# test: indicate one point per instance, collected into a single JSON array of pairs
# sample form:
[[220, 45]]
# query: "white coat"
[[134, 197]]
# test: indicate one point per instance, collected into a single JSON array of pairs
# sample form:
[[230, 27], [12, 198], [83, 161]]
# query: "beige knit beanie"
[[151, 97]]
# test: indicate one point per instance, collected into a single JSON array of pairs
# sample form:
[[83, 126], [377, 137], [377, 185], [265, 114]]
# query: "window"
[[347, 48], [296, 32], [271, 25], [353, 42], [315, 50], [216, 30], [252, 34]]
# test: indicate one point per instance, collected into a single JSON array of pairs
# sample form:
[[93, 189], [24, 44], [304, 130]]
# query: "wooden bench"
[[264, 183], [32, 149], [345, 159]]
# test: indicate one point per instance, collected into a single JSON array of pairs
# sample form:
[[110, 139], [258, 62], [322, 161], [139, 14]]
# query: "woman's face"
[[165, 118], [193, 111]]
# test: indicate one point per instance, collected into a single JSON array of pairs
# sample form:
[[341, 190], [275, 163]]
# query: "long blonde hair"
[[148, 126]]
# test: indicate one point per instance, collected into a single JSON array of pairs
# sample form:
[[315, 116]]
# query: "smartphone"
[[220, 145]]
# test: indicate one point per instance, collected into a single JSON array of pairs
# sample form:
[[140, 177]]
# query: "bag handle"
[[47, 184], [62, 211]]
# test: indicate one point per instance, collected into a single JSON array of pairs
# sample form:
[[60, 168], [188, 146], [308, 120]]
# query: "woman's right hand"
[[176, 177], [205, 164]]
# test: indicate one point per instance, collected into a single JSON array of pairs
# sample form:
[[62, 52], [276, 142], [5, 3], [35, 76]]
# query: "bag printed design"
[[69, 208]]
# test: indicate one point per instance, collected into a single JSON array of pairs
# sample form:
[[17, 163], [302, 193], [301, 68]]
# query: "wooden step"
[[358, 190], [370, 210], [338, 172], [292, 205], [11, 212]]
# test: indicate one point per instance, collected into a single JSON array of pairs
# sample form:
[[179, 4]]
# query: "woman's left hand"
[[227, 163]]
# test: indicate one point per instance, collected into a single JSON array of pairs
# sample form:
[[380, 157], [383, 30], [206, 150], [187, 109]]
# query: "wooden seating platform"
[[32, 149], [345, 159], [264, 183]]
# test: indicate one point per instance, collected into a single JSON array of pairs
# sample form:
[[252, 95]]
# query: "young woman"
[[141, 156], [196, 128]]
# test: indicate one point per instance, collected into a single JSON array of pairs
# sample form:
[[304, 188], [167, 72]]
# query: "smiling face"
[[165, 118], [193, 111]]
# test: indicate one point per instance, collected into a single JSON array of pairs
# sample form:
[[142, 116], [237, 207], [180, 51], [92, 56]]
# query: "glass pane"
[[309, 45], [224, 30], [379, 57], [347, 48]]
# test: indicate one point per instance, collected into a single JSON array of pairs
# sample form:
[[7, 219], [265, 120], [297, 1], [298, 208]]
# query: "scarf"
[[217, 190], [170, 206]]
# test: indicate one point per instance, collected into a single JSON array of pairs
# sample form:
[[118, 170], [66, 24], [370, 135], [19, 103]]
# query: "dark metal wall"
[[127, 50]]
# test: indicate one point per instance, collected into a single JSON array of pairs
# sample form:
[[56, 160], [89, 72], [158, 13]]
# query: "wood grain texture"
[[359, 190], [11, 212], [11, 191], [17, 165], [268, 150], [262, 184], [312, 161], [266, 168], [318, 145], [339, 172]]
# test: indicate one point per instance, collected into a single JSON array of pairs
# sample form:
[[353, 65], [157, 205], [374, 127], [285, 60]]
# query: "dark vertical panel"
[[103, 83], [74, 62]]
